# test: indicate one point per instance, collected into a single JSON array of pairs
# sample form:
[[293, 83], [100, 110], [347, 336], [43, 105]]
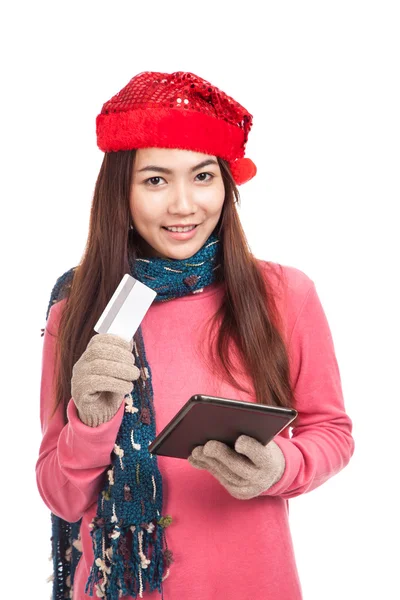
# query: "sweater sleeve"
[[321, 443], [73, 456]]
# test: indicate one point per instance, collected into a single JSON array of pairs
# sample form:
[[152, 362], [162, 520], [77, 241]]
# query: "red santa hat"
[[177, 110]]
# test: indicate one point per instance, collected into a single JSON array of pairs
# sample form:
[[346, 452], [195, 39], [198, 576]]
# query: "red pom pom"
[[243, 169]]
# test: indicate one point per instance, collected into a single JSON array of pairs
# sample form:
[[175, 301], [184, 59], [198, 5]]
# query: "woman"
[[224, 323]]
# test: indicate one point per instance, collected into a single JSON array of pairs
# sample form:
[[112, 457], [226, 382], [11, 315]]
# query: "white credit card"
[[126, 309]]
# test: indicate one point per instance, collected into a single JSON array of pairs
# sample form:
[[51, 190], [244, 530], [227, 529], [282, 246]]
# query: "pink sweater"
[[223, 547]]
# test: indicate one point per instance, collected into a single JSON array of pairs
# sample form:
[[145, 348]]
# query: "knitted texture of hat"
[[129, 543], [177, 110]]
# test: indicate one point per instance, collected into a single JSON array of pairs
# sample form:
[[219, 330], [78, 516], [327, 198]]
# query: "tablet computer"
[[205, 418]]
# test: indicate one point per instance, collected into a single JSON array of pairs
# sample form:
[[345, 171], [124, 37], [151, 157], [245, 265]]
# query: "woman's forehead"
[[169, 157]]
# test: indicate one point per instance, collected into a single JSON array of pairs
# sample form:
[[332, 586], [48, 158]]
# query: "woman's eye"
[[153, 181], [210, 176]]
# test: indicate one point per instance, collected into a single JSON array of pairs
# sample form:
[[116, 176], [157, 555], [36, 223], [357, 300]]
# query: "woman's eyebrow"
[[205, 163]]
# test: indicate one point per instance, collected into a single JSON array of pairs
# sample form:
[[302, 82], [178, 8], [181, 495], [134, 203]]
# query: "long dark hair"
[[248, 314]]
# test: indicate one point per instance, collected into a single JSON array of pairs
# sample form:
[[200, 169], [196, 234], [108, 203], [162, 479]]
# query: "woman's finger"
[[236, 463]]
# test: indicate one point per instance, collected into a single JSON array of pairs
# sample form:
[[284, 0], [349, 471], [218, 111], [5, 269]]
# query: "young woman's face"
[[175, 187]]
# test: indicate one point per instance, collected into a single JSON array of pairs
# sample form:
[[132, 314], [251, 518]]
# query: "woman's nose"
[[182, 200]]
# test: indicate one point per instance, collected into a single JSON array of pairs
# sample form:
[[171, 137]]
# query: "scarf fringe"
[[65, 543], [127, 559]]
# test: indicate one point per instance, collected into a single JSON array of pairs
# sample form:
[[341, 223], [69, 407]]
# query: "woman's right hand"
[[102, 376]]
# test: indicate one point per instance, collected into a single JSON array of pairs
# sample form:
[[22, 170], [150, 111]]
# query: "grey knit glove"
[[101, 378], [245, 472]]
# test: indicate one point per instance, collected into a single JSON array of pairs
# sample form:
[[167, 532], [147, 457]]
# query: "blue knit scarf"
[[128, 532]]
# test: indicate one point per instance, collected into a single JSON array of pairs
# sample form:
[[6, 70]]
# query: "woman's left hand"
[[245, 472]]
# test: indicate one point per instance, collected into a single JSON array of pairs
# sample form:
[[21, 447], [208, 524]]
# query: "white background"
[[322, 81]]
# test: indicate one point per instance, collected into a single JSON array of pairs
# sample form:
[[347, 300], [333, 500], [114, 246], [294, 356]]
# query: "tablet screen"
[[205, 418]]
